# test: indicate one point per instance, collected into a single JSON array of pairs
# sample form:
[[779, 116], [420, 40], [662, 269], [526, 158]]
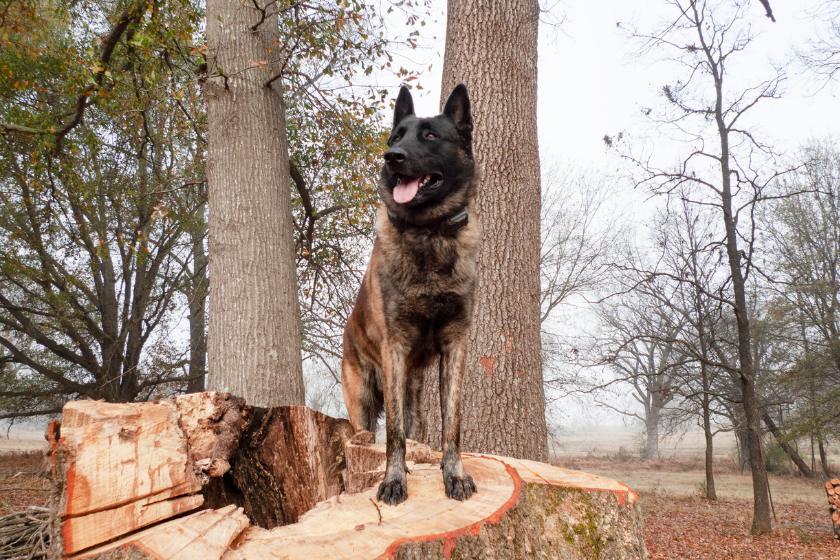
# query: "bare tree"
[[644, 354], [686, 245], [822, 53], [706, 113], [582, 232]]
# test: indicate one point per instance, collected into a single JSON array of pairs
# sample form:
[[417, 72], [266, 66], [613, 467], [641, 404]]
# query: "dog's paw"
[[393, 490], [459, 487]]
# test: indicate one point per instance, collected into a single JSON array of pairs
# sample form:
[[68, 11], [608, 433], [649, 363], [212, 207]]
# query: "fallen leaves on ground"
[[697, 529], [22, 482]]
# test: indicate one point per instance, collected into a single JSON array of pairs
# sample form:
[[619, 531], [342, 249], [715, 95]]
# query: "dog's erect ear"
[[404, 106], [457, 108]]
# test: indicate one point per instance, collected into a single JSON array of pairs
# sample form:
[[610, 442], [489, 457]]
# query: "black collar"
[[448, 226]]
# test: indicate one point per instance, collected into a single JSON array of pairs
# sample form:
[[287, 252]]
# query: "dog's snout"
[[395, 155]]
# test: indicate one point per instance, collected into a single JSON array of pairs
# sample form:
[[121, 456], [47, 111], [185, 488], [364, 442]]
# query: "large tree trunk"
[[139, 472], [254, 337], [492, 48]]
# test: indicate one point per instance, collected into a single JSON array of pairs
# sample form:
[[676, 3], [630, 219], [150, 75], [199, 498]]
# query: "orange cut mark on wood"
[[473, 529], [488, 363]]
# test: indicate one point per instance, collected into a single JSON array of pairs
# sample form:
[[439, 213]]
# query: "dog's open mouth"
[[408, 187]]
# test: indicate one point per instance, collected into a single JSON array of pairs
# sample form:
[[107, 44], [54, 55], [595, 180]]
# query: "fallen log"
[[206, 476]]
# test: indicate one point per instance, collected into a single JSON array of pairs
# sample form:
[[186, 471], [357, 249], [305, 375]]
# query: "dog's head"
[[429, 165]]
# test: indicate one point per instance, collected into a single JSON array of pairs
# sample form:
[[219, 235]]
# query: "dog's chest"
[[430, 263], [428, 279]]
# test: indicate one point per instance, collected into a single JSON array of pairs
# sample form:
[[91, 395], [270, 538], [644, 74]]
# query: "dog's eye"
[[395, 139], [431, 136]]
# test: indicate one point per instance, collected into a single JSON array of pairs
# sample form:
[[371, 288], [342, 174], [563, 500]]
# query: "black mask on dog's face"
[[430, 157]]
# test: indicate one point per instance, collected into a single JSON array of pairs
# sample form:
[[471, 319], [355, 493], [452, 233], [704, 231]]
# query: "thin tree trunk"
[[711, 493], [761, 499], [823, 458], [791, 452], [254, 336], [491, 47], [752, 410], [198, 298], [652, 433]]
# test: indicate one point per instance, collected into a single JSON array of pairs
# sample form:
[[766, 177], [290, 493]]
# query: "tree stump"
[[206, 476]]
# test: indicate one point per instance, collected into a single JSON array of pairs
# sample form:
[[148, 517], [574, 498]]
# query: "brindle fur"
[[415, 303]]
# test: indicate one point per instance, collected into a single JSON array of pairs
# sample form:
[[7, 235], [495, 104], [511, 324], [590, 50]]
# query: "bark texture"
[[491, 46], [288, 459], [254, 337]]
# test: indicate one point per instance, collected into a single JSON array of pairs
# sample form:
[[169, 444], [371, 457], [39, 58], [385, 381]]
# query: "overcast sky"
[[590, 84]]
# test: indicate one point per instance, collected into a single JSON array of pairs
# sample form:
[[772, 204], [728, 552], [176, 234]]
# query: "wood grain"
[[141, 458]]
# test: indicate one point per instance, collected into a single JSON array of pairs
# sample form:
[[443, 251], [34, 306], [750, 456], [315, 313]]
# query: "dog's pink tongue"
[[406, 190]]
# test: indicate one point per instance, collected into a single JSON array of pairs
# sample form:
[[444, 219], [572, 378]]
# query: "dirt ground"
[[681, 524], [23, 481]]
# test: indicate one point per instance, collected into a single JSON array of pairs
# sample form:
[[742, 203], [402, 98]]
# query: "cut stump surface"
[[146, 469]]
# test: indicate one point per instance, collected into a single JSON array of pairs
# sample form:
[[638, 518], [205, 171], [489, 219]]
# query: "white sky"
[[590, 85]]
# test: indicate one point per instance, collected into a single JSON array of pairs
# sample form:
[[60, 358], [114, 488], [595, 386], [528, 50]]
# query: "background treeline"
[[721, 311]]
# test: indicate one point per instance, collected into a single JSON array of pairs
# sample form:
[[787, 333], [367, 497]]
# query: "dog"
[[416, 299]]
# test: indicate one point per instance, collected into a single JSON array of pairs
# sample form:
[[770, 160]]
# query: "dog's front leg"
[[459, 485], [394, 489]]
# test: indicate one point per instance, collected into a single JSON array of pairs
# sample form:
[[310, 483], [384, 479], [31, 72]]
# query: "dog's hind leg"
[[414, 425], [459, 485], [394, 488], [362, 394]]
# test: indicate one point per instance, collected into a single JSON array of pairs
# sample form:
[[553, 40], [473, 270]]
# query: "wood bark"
[[491, 47], [254, 337], [129, 476], [197, 294]]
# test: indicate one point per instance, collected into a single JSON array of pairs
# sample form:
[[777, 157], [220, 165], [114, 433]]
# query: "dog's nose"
[[395, 155]]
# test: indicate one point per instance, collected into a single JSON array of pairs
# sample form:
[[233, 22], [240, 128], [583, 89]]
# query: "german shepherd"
[[416, 300]]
